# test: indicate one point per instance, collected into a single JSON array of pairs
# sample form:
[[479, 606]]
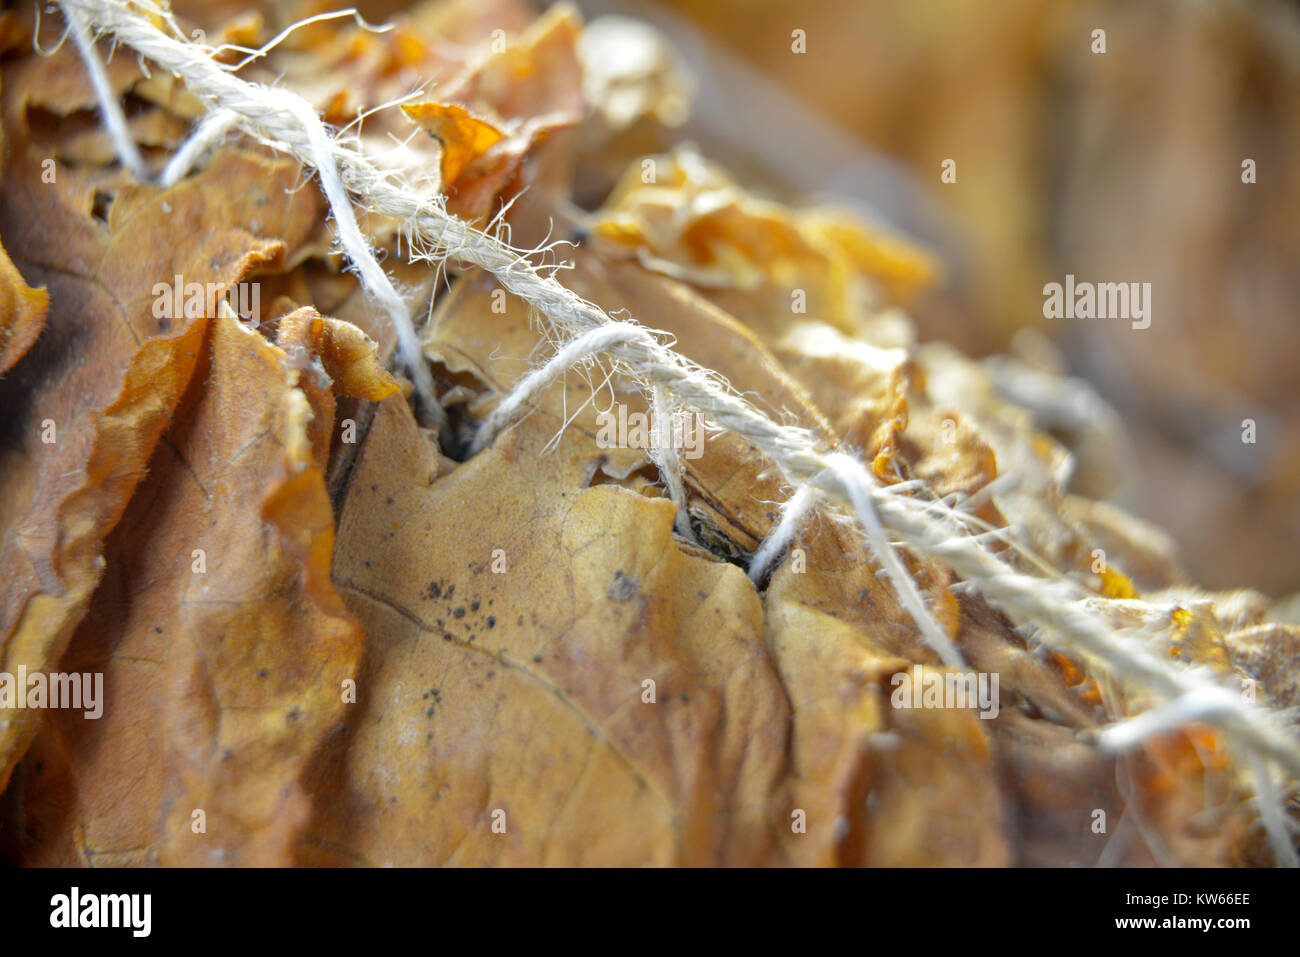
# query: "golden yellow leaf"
[[22, 313], [463, 136]]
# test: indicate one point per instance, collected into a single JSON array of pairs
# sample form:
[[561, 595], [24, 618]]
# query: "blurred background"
[[1122, 166], [1117, 166]]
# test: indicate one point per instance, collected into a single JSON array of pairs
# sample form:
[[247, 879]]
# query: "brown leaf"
[[334, 358], [879, 785], [512, 680], [346, 354], [495, 113], [94, 394], [224, 647]]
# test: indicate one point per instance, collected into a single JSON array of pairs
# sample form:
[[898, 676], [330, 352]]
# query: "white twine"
[[211, 128], [277, 117], [663, 453], [853, 478], [1276, 824], [114, 118], [793, 512], [590, 343], [372, 275], [1207, 705], [1054, 607]]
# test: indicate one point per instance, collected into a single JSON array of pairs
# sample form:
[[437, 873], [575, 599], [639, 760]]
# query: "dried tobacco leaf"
[[501, 108], [513, 619], [93, 396], [224, 649], [556, 670]]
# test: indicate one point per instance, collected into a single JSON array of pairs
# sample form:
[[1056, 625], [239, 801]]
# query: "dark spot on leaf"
[[622, 587], [100, 204]]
